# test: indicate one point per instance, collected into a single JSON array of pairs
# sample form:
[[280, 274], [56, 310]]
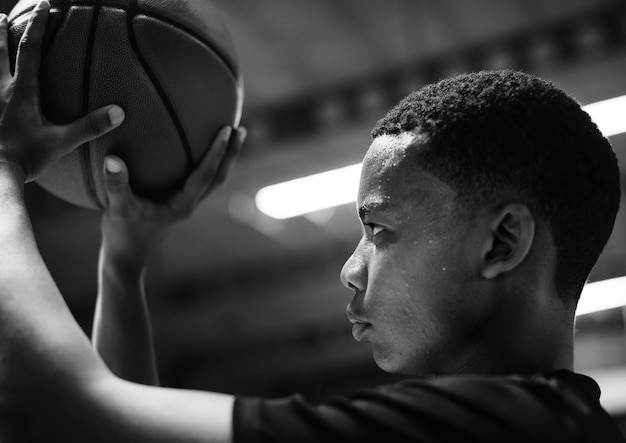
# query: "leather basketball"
[[170, 64]]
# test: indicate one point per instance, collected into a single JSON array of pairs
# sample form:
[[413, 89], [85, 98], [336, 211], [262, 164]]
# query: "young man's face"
[[414, 298]]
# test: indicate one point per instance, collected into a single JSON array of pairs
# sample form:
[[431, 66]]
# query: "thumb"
[[116, 185], [93, 125]]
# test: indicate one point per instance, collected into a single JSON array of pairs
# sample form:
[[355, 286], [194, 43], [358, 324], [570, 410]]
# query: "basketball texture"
[[170, 64]]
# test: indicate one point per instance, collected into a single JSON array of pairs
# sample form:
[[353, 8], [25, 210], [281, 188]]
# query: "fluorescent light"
[[339, 186], [609, 115], [602, 295], [310, 194]]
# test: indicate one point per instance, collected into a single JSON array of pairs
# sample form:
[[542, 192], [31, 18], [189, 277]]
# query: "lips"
[[359, 330], [353, 316], [359, 325]]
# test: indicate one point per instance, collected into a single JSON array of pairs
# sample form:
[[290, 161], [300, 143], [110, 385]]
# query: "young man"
[[485, 200]]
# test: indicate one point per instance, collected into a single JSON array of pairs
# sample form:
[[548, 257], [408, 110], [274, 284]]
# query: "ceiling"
[[318, 74]]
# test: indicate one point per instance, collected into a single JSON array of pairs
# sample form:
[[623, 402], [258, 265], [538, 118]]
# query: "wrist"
[[131, 239], [10, 165], [12, 188], [121, 261], [12, 171]]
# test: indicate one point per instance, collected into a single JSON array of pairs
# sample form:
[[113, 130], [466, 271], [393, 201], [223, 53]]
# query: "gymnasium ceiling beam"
[[557, 44]]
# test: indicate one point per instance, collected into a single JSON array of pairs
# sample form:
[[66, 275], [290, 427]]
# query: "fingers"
[[234, 148], [91, 126], [119, 195], [29, 50], [201, 178], [5, 65], [211, 171]]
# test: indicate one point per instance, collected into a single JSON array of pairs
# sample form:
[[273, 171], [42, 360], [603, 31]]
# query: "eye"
[[374, 229]]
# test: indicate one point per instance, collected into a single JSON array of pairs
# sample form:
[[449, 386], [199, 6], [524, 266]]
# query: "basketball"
[[170, 64]]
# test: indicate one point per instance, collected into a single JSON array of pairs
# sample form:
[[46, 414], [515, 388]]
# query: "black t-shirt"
[[556, 407]]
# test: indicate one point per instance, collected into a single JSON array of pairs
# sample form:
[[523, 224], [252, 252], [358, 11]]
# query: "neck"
[[532, 336]]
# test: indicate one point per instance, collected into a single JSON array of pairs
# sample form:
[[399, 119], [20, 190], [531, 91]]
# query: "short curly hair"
[[496, 133]]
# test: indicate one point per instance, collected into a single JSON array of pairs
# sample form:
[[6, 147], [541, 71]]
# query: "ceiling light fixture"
[[609, 115], [339, 186], [602, 295], [310, 194]]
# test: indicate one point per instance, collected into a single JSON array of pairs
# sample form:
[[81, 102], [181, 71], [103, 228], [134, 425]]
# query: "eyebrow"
[[369, 208]]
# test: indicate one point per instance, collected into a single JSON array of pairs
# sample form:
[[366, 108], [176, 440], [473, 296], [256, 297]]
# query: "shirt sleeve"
[[460, 408]]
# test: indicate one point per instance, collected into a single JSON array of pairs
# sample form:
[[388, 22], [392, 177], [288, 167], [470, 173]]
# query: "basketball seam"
[[135, 9], [85, 152], [194, 34], [159, 88]]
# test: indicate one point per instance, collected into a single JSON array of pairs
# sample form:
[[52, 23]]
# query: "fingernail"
[[226, 133], [3, 19], [242, 133], [113, 165], [43, 4], [116, 115]]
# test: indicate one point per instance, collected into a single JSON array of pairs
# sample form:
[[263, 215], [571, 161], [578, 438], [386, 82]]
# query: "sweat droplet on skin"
[[443, 269]]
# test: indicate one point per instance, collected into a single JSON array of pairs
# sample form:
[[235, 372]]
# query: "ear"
[[510, 237]]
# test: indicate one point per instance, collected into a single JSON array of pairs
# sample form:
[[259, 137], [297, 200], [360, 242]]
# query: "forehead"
[[392, 179]]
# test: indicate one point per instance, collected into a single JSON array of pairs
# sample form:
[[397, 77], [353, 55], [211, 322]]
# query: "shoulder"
[[550, 390], [560, 406], [547, 405]]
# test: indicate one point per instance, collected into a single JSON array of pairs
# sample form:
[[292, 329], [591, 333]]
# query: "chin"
[[393, 364], [390, 363]]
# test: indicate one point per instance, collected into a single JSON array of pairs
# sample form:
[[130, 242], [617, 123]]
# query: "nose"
[[354, 271]]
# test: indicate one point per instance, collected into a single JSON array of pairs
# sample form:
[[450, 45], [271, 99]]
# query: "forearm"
[[122, 332], [131, 228], [42, 348], [53, 385]]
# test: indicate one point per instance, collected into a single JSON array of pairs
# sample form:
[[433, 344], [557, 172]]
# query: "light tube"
[[609, 115], [310, 194], [602, 295]]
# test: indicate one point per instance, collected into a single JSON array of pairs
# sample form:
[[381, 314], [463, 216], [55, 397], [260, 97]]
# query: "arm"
[[131, 228], [122, 332], [53, 385]]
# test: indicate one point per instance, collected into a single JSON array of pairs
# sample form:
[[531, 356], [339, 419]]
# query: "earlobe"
[[510, 237]]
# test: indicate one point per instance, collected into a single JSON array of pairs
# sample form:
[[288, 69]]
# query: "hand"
[[132, 226], [27, 139]]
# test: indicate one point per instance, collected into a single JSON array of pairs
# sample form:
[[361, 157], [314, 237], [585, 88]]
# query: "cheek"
[[395, 296], [429, 283], [413, 282]]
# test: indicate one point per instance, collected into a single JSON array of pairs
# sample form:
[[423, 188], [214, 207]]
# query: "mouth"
[[359, 330], [359, 325]]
